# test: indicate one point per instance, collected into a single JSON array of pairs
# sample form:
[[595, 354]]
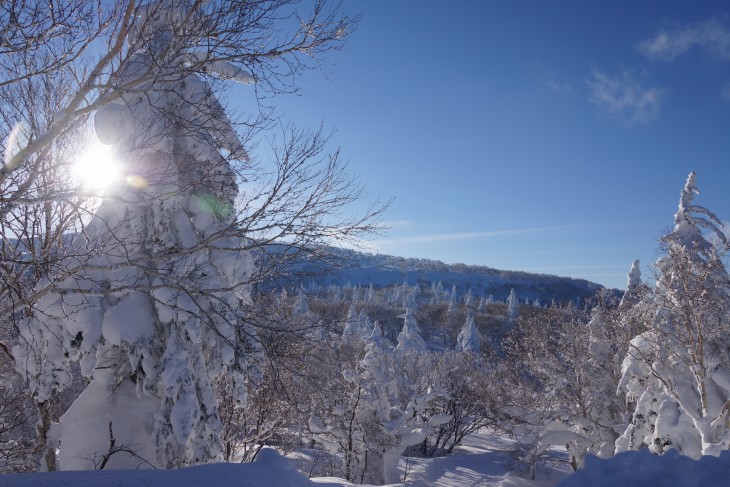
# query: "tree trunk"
[[42, 429]]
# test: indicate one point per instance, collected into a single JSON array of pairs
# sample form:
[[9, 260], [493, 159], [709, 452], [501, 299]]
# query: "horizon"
[[554, 140]]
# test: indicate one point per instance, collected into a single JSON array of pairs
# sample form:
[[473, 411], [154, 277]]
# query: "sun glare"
[[96, 167]]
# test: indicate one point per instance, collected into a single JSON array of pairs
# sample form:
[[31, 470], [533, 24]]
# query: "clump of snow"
[[128, 320]]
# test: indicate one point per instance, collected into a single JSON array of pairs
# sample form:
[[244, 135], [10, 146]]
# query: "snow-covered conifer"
[[377, 337], [370, 294], [410, 339], [481, 305], [468, 339], [512, 306], [301, 305], [351, 329], [452, 300], [468, 299], [633, 286]]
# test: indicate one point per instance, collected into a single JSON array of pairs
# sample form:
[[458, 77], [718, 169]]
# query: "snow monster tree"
[[154, 318]]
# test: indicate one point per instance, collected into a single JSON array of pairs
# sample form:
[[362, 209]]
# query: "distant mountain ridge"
[[362, 269]]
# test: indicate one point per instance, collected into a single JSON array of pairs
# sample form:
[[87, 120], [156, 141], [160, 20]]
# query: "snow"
[[642, 468], [269, 470], [483, 460], [128, 321], [85, 427]]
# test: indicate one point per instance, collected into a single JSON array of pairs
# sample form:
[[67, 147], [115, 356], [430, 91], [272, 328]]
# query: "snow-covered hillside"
[[363, 269]]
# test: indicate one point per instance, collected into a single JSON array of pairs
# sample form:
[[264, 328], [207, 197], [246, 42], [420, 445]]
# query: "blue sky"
[[550, 137]]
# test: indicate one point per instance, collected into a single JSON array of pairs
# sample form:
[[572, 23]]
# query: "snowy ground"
[[483, 461]]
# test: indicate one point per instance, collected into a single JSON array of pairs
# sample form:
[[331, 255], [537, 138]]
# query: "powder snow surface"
[[483, 462], [269, 470], [642, 468]]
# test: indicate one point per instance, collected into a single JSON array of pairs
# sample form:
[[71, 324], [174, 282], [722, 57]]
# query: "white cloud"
[[711, 35], [623, 98]]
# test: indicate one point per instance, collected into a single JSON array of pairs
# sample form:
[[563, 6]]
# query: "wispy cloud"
[[623, 98], [711, 36], [456, 236], [580, 267]]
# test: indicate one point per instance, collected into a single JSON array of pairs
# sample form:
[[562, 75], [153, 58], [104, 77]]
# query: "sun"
[[96, 168]]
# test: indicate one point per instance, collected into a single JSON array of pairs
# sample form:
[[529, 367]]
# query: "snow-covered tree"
[[42, 203], [154, 309], [357, 325], [410, 339], [370, 294], [466, 403], [452, 300], [18, 449], [566, 377], [278, 402], [633, 285], [468, 299], [678, 369], [351, 330], [481, 305], [159, 313], [513, 302], [468, 339], [607, 345], [376, 416], [301, 305]]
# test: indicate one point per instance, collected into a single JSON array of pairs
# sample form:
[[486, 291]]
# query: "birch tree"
[[679, 368]]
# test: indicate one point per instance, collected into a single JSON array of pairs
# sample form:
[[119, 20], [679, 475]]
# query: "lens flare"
[[136, 181]]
